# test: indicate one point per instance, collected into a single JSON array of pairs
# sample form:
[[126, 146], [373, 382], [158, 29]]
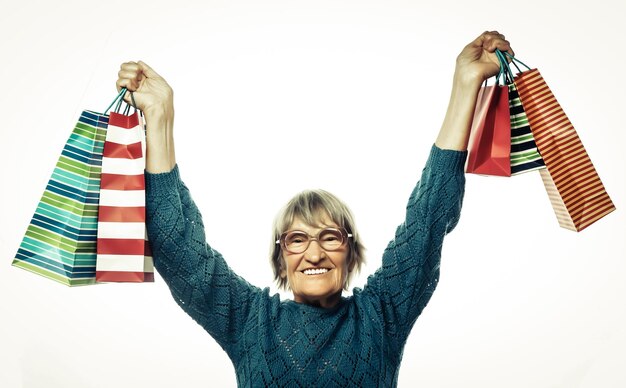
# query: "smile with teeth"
[[315, 271]]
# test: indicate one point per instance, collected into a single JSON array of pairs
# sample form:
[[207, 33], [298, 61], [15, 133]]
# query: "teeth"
[[315, 271]]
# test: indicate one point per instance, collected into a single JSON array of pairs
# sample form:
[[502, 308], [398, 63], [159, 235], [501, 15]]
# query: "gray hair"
[[308, 205]]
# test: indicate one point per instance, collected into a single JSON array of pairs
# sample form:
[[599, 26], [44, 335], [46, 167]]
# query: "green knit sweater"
[[274, 343]]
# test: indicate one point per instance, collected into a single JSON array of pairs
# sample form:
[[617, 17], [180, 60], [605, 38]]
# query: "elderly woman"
[[320, 338]]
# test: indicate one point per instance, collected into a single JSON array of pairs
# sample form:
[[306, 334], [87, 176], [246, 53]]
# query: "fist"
[[478, 60], [151, 92]]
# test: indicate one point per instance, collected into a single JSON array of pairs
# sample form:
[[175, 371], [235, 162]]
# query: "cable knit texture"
[[274, 343]]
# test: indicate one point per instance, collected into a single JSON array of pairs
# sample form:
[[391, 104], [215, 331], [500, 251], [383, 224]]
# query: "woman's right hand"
[[155, 98], [474, 64], [151, 92]]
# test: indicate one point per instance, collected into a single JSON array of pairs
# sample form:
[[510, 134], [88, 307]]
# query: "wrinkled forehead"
[[313, 218]]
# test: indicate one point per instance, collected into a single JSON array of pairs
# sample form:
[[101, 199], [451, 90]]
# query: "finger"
[[129, 66], [127, 98], [127, 83], [493, 43], [123, 83], [486, 39], [133, 77], [147, 70], [480, 39], [510, 52], [128, 71], [496, 34], [130, 84]]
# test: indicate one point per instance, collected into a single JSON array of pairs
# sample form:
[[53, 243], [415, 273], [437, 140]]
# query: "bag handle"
[[508, 74], [119, 99], [501, 73], [502, 56], [513, 60]]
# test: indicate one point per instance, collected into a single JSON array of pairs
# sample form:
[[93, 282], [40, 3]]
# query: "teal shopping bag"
[[60, 241]]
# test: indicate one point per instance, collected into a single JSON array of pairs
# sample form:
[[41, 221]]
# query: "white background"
[[269, 94]]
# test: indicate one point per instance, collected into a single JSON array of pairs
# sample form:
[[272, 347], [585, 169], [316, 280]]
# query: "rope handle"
[[119, 99], [502, 73], [502, 56]]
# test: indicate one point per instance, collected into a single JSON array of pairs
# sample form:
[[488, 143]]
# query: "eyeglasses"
[[297, 241]]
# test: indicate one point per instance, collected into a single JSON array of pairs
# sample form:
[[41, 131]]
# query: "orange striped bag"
[[577, 195], [123, 252]]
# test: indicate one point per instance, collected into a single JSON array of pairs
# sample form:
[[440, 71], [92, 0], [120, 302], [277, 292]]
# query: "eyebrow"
[[317, 228]]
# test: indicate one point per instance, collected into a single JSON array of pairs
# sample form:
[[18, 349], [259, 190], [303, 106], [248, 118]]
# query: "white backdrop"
[[265, 88]]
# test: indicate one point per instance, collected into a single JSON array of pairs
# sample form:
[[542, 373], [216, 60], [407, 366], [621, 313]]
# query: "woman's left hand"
[[478, 60]]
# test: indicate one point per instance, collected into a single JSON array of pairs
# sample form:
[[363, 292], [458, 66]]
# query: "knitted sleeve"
[[404, 283], [198, 277]]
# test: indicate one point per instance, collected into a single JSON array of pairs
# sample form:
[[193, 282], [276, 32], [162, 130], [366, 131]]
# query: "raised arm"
[[475, 64], [198, 277], [410, 270], [155, 98]]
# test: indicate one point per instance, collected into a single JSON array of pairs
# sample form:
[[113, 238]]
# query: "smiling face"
[[316, 276]]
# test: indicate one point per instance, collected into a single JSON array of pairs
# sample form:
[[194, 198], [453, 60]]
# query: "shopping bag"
[[60, 241], [575, 190], [489, 150], [524, 154], [123, 253]]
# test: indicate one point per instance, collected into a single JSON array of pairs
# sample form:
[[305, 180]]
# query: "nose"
[[314, 252]]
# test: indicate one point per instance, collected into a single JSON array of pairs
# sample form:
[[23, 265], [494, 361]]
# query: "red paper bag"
[[489, 150]]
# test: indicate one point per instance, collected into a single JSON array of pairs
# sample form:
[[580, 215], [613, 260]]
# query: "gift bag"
[[577, 195], [60, 242], [489, 150], [123, 253], [524, 154]]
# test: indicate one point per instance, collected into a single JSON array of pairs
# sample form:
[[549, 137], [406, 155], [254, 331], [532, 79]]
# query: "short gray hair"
[[307, 206]]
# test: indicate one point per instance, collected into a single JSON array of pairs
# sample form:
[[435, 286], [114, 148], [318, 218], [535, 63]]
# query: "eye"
[[296, 238], [330, 236]]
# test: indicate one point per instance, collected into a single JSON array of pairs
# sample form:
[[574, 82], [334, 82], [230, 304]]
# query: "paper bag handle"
[[502, 56], [119, 98]]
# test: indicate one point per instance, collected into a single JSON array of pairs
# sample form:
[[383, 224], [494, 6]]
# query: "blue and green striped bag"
[[60, 242], [524, 154]]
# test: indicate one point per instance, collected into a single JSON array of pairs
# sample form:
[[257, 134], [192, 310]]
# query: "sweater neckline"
[[292, 304]]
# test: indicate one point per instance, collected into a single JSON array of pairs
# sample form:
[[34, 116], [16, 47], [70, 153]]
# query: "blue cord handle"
[[508, 74], [119, 99], [502, 56], [501, 72], [513, 60]]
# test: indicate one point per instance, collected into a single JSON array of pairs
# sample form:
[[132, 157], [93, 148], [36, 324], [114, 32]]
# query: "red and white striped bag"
[[575, 190], [123, 252]]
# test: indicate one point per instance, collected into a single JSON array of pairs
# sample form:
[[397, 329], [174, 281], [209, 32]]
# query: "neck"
[[324, 302]]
